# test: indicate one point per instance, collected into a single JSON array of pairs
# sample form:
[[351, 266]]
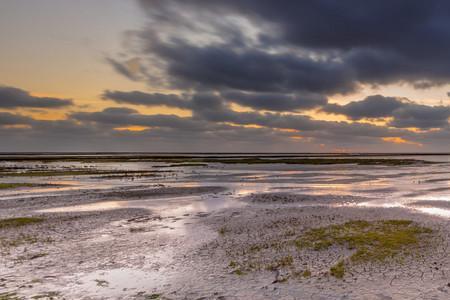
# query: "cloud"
[[321, 47], [117, 116], [141, 98], [11, 97], [13, 119], [131, 68], [375, 106], [257, 101], [421, 116], [219, 67], [217, 129], [404, 113], [291, 58], [276, 101]]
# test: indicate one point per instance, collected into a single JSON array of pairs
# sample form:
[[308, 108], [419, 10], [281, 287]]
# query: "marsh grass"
[[4, 186], [356, 242], [372, 241], [47, 295], [283, 262], [338, 270], [239, 272], [306, 273], [245, 159], [375, 242], [317, 161], [19, 222], [10, 296]]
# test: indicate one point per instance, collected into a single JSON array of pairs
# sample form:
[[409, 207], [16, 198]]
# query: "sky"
[[225, 76]]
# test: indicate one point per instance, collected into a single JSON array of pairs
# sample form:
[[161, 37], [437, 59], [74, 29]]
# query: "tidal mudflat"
[[224, 227]]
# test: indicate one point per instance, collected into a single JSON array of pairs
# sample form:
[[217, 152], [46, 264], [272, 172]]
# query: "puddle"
[[120, 282], [435, 211], [166, 206]]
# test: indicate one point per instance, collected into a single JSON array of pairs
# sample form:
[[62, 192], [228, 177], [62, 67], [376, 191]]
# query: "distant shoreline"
[[272, 154]]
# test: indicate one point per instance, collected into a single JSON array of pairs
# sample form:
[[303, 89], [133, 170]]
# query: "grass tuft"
[[338, 270], [306, 273]]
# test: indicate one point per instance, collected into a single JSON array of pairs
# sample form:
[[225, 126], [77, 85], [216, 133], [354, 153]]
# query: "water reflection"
[[174, 206], [386, 186]]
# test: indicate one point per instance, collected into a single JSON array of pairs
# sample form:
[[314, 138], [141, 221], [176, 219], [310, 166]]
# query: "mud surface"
[[193, 234]]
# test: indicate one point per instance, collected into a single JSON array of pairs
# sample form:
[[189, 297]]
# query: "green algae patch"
[[19, 222], [306, 273], [285, 243], [5, 186], [373, 241], [10, 296], [376, 241], [338, 270]]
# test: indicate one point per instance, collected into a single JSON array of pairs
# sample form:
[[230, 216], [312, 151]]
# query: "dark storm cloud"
[[421, 116], [404, 113], [317, 46], [375, 106], [11, 97], [290, 57], [252, 70], [215, 108]]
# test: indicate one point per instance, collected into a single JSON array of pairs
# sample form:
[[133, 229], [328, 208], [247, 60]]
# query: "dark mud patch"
[[36, 172], [287, 198], [164, 192], [437, 180]]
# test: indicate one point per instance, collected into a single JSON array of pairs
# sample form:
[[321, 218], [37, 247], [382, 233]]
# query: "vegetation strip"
[[193, 160], [4, 186], [358, 242], [18, 222]]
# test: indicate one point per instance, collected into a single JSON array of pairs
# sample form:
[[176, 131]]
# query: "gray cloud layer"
[[11, 97], [404, 113], [322, 46]]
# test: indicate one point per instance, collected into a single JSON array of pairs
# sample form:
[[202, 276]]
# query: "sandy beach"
[[184, 230]]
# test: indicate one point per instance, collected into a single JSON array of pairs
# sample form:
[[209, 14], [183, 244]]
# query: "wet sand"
[[175, 237]]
